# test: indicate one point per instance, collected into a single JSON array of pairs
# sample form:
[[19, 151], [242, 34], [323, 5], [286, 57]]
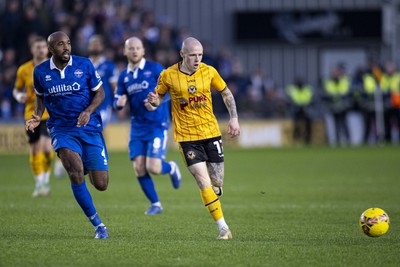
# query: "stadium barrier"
[[13, 138], [269, 133], [254, 133]]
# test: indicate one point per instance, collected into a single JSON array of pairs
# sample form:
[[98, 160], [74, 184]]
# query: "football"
[[374, 222]]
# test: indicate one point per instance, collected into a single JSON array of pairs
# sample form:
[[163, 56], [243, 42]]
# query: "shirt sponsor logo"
[[183, 103], [137, 87], [64, 88], [193, 102], [198, 101], [78, 73]]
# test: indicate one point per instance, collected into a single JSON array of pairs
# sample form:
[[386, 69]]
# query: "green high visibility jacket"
[[301, 96], [337, 88], [369, 83], [390, 83]]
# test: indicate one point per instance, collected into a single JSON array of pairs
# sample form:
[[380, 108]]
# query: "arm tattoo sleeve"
[[230, 103]]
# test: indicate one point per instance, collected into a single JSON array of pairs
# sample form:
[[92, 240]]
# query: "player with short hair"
[[108, 73], [196, 129], [39, 141], [72, 91], [149, 126]]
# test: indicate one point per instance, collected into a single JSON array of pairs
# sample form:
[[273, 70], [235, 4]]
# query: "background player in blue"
[[149, 126], [72, 91], [108, 73]]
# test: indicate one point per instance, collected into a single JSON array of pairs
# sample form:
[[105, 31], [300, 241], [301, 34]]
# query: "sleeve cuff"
[[97, 87], [36, 91]]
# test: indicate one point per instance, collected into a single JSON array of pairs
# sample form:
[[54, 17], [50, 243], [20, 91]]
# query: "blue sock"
[[84, 199], [165, 167], [148, 187]]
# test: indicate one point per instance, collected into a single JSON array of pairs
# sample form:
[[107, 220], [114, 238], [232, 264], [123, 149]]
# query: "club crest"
[[190, 154], [78, 73], [192, 89]]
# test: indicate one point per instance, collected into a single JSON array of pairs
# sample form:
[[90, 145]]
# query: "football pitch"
[[285, 207]]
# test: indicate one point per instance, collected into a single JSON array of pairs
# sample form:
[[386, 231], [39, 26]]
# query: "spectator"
[[9, 22], [9, 106], [208, 57], [370, 84], [224, 63], [264, 97], [390, 85], [301, 97], [31, 23], [238, 82], [338, 99], [256, 94], [151, 31]]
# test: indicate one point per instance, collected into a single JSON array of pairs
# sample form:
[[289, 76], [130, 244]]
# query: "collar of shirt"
[[135, 70], [53, 65], [62, 72]]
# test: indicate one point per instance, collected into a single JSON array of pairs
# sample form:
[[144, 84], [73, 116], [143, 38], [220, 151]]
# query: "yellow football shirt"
[[24, 81], [191, 103]]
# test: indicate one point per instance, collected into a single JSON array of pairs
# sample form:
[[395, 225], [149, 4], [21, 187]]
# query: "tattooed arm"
[[229, 100]]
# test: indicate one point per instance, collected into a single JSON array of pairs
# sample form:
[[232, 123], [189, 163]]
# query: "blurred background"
[[302, 71]]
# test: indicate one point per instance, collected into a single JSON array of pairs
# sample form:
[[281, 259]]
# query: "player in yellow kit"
[[41, 151], [196, 129]]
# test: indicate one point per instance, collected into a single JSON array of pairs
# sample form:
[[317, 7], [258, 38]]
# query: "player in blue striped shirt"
[[149, 126], [71, 90]]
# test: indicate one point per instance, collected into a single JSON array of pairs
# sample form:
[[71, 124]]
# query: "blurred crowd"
[[256, 92], [373, 92], [22, 20]]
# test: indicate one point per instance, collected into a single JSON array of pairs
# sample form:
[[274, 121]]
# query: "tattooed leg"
[[216, 172]]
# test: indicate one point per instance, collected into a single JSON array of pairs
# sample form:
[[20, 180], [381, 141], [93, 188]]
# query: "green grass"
[[285, 207]]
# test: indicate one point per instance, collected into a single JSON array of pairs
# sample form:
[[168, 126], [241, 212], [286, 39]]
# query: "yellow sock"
[[47, 157], [36, 162], [211, 201]]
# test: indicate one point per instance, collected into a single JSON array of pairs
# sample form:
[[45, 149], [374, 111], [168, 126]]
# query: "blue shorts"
[[90, 146], [153, 146]]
